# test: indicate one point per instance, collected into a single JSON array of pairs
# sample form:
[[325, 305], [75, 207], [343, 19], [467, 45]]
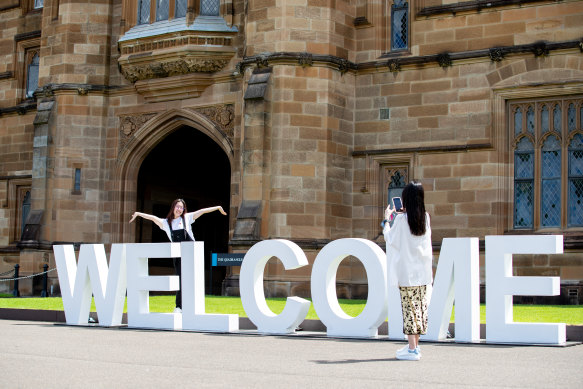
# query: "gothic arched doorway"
[[186, 164]]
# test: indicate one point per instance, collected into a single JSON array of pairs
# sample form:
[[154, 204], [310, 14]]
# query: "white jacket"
[[409, 257]]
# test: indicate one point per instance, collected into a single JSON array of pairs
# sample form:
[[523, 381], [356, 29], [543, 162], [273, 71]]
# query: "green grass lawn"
[[570, 314]]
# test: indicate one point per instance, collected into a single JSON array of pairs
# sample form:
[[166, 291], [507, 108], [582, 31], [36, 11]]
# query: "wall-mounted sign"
[[227, 259]]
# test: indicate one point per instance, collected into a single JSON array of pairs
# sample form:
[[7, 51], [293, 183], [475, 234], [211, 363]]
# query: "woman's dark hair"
[[170, 216], [414, 203]]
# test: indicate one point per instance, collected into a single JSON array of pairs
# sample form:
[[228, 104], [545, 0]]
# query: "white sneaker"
[[403, 350], [177, 310], [408, 355]]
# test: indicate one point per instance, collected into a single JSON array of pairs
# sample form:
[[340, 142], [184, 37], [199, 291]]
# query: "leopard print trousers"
[[414, 306]]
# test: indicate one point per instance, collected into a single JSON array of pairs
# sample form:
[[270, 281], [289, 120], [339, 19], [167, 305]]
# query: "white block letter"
[[251, 286], [324, 296], [193, 305], [395, 313], [458, 270], [140, 284], [501, 286], [92, 276]]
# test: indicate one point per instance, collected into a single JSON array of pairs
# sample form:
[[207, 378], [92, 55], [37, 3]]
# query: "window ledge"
[[201, 24]]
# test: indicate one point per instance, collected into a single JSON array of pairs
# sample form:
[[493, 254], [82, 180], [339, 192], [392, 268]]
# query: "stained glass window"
[[524, 184], [144, 12], [209, 7], [557, 118], [25, 210], [162, 10], [32, 76], [571, 118], [544, 117], [551, 183], [180, 8], [399, 25], [548, 170], [575, 211], [397, 180], [518, 121], [77, 182], [530, 120]]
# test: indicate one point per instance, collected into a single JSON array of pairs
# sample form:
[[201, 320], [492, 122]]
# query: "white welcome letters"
[[456, 279]]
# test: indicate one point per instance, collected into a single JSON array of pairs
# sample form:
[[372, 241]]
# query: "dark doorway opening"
[[187, 164]]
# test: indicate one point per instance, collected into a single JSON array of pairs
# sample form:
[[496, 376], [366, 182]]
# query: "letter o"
[[324, 295]]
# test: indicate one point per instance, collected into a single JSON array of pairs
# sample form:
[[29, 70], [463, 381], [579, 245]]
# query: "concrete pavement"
[[48, 355]]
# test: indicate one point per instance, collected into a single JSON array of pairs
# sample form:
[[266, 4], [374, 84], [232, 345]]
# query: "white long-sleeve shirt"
[[409, 256], [177, 225]]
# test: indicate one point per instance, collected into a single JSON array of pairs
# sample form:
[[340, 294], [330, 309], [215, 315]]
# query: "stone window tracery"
[[547, 147]]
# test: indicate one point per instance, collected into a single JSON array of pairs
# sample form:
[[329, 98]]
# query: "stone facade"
[[298, 116]]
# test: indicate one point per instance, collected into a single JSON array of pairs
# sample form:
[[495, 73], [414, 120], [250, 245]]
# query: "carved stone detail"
[[496, 54], [239, 68], [140, 46], [444, 60], [46, 91], [394, 65], [222, 115], [172, 68], [128, 125], [540, 49], [343, 66], [261, 61], [305, 60]]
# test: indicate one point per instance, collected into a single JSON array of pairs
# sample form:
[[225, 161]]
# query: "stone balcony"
[[171, 60]]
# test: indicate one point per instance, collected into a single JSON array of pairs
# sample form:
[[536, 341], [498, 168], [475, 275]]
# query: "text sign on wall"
[[457, 279], [227, 259]]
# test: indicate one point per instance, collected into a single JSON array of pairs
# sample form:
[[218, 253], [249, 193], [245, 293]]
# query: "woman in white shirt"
[[178, 227], [409, 253]]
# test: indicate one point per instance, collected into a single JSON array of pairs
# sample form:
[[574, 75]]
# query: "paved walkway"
[[47, 355]]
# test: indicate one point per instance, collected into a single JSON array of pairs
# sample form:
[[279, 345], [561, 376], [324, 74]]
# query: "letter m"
[[92, 276]]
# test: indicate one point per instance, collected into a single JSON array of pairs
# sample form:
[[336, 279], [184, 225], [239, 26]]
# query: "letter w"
[[92, 276]]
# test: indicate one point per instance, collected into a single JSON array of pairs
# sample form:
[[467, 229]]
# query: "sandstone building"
[[300, 117]]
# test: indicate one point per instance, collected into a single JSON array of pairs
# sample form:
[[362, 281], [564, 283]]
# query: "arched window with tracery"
[[547, 149]]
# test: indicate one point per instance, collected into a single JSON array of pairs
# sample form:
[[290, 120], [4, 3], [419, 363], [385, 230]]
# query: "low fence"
[[16, 278]]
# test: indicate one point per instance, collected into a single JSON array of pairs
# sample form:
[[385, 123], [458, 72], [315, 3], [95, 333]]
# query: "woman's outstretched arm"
[[197, 214], [146, 216]]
